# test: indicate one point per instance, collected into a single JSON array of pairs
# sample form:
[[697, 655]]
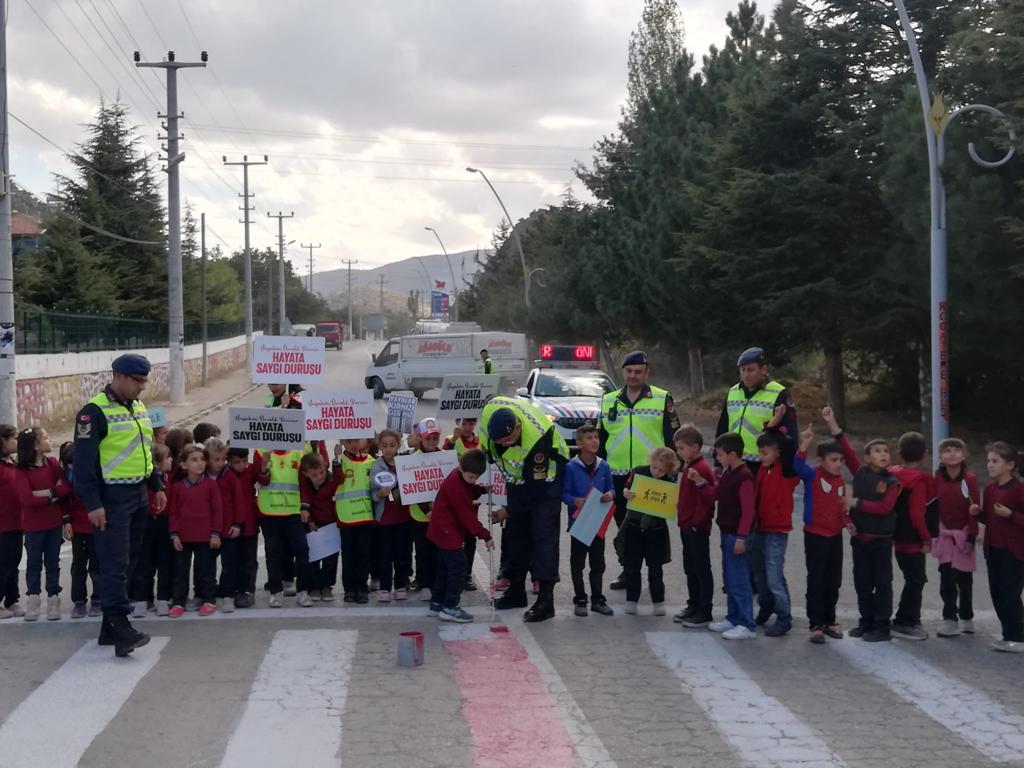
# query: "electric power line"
[[67, 50]]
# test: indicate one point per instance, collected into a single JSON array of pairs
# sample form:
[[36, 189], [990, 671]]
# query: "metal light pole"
[[246, 208], [455, 290], [936, 120], [175, 308], [515, 236], [8, 389]]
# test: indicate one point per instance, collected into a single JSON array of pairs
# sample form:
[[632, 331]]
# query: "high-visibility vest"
[[633, 432], [281, 495], [461, 447], [126, 453], [488, 365], [352, 501], [534, 425], [748, 415]]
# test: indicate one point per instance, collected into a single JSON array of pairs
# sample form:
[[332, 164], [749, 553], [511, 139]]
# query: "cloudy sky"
[[369, 111]]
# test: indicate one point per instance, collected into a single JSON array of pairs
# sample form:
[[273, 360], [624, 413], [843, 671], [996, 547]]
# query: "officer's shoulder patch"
[[538, 458], [83, 429]]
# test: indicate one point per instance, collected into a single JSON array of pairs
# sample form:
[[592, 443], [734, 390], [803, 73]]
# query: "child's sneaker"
[[327, 595], [471, 585], [349, 598], [315, 595], [859, 631], [834, 631], [434, 609], [193, 604], [374, 585], [95, 609], [19, 611], [362, 598], [966, 625], [949, 628], [6, 614], [778, 628], [207, 609], [245, 600], [139, 610], [631, 608], [383, 596], [177, 612], [303, 600], [659, 609], [817, 636], [580, 607], [683, 614], [455, 614], [162, 608], [53, 608], [722, 626], [32, 603], [909, 631], [739, 633], [228, 605], [289, 588], [601, 606], [501, 585], [78, 611], [697, 620], [276, 600], [1008, 646], [401, 594], [876, 636]]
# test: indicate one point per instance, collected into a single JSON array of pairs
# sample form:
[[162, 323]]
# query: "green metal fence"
[[41, 331]]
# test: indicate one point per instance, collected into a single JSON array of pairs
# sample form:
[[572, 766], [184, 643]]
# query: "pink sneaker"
[[177, 612], [207, 609], [384, 596], [502, 584], [400, 594]]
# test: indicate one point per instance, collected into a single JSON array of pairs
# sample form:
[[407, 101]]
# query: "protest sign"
[[401, 413], [269, 429], [498, 496], [323, 542], [421, 474], [338, 414], [464, 396], [654, 497], [288, 359], [157, 417], [592, 519]]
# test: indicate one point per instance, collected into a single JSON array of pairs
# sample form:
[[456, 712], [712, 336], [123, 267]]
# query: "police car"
[[568, 387]]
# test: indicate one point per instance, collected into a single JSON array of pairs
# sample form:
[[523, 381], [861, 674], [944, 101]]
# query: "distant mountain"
[[419, 273]]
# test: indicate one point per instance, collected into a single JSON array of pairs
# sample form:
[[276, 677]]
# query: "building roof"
[[24, 225]]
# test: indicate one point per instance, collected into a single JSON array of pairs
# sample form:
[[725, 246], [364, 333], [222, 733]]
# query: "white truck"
[[419, 363]]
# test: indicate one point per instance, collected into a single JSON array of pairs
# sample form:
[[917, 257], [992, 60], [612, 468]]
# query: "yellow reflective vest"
[[126, 453], [748, 415], [633, 431], [281, 497], [534, 424], [352, 501]]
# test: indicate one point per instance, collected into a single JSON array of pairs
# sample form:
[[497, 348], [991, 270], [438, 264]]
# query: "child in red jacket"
[[248, 542], [44, 518], [317, 488], [912, 540], [156, 561], [453, 517], [83, 550], [234, 504], [10, 525], [696, 510], [956, 492], [195, 521]]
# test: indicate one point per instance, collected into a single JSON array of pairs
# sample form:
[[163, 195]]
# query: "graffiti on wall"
[[56, 400]]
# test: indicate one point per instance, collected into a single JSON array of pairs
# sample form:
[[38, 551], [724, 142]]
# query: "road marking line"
[[985, 724], [79, 700], [293, 716], [762, 730]]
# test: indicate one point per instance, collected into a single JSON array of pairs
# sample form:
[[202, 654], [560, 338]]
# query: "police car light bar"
[[563, 353]]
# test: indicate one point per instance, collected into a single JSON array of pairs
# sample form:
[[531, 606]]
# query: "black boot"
[[619, 583], [515, 595], [106, 632], [126, 637], [544, 608]]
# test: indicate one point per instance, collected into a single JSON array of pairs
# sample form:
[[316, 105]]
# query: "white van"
[[419, 363]]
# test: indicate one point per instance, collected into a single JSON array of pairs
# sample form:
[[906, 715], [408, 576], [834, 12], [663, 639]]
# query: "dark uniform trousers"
[[533, 526], [619, 486], [119, 544], [872, 578]]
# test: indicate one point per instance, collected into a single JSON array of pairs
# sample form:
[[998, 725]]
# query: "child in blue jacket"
[[585, 472]]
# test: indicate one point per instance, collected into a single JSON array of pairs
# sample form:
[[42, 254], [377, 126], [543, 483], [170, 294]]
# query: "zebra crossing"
[[619, 692]]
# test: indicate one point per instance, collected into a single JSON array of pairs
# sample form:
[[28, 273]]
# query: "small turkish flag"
[[439, 284]]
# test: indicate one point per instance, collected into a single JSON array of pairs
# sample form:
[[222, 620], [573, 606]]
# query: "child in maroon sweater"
[[83, 550], [452, 517], [248, 542], [195, 521], [696, 509], [10, 525], [317, 489], [234, 506], [911, 540], [956, 492], [44, 519], [394, 525], [1002, 512]]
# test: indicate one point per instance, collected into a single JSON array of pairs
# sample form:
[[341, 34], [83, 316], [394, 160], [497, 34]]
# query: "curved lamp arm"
[[972, 148]]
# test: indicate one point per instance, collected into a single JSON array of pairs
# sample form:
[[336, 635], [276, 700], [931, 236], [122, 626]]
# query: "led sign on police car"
[[564, 353]]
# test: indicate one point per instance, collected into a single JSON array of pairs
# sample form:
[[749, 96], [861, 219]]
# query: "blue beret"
[[752, 355], [502, 424], [131, 365], [637, 357]]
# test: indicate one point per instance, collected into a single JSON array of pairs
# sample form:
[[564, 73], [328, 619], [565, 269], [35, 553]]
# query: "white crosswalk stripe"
[[302, 684], [68, 700], [762, 730], [983, 723]]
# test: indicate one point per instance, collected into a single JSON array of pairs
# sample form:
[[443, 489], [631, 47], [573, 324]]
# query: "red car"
[[333, 332]]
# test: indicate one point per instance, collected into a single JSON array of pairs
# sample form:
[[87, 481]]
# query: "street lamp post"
[[515, 236], [936, 120], [455, 290]]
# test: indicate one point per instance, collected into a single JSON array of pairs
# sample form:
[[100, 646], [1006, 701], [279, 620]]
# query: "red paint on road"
[[508, 709]]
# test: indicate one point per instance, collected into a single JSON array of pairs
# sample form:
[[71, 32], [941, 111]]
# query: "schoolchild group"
[[220, 499]]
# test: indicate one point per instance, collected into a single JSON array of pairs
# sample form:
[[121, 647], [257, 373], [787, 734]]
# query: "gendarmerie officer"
[[523, 443], [634, 420], [114, 466]]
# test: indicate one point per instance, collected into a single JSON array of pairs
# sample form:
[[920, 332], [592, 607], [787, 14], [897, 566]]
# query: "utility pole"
[[175, 308], [311, 247], [245, 163], [202, 286], [383, 281], [350, 262], [8, 390], [280, 264]]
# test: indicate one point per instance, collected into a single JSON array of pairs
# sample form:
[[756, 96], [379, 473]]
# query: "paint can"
[[410, 648]]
